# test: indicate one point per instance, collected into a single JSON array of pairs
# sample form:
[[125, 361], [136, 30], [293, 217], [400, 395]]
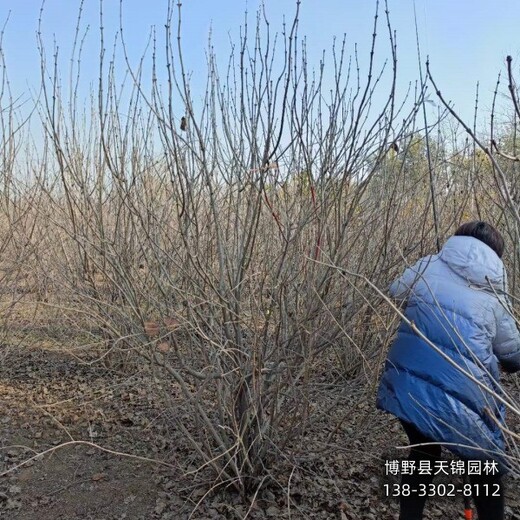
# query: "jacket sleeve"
[[506, 345], [400, 288]]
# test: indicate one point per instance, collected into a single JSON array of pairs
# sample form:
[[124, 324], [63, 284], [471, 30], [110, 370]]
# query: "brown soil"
[[49, 398]]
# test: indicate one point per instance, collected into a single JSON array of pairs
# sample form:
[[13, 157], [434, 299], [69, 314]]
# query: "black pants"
[[488, 507]]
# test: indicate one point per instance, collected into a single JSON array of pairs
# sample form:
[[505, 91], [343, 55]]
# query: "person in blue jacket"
[[445, 386]]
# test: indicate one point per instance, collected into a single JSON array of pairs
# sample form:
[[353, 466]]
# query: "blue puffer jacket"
[[456, 298]]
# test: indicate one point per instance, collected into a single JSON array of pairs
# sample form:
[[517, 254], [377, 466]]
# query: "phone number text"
[[442, 490]]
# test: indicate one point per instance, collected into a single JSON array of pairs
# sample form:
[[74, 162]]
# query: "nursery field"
[[109, 452], [194, 309]]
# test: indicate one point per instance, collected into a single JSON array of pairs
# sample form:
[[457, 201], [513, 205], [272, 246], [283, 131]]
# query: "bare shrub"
[[209, 238]]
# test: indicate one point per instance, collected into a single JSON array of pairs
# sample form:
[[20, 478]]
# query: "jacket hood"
[[474, 260]]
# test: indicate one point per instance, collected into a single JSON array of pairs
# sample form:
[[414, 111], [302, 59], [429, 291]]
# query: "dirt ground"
[[49, 398]]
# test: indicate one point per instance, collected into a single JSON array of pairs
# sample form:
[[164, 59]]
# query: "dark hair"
[[485, 233]]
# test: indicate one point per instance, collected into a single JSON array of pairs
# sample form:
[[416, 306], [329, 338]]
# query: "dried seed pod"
[[163, 347], [394, 147], [171, 324], [152, 329]]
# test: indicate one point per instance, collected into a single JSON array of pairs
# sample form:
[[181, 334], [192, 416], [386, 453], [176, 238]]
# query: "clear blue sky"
[[467, 41]]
